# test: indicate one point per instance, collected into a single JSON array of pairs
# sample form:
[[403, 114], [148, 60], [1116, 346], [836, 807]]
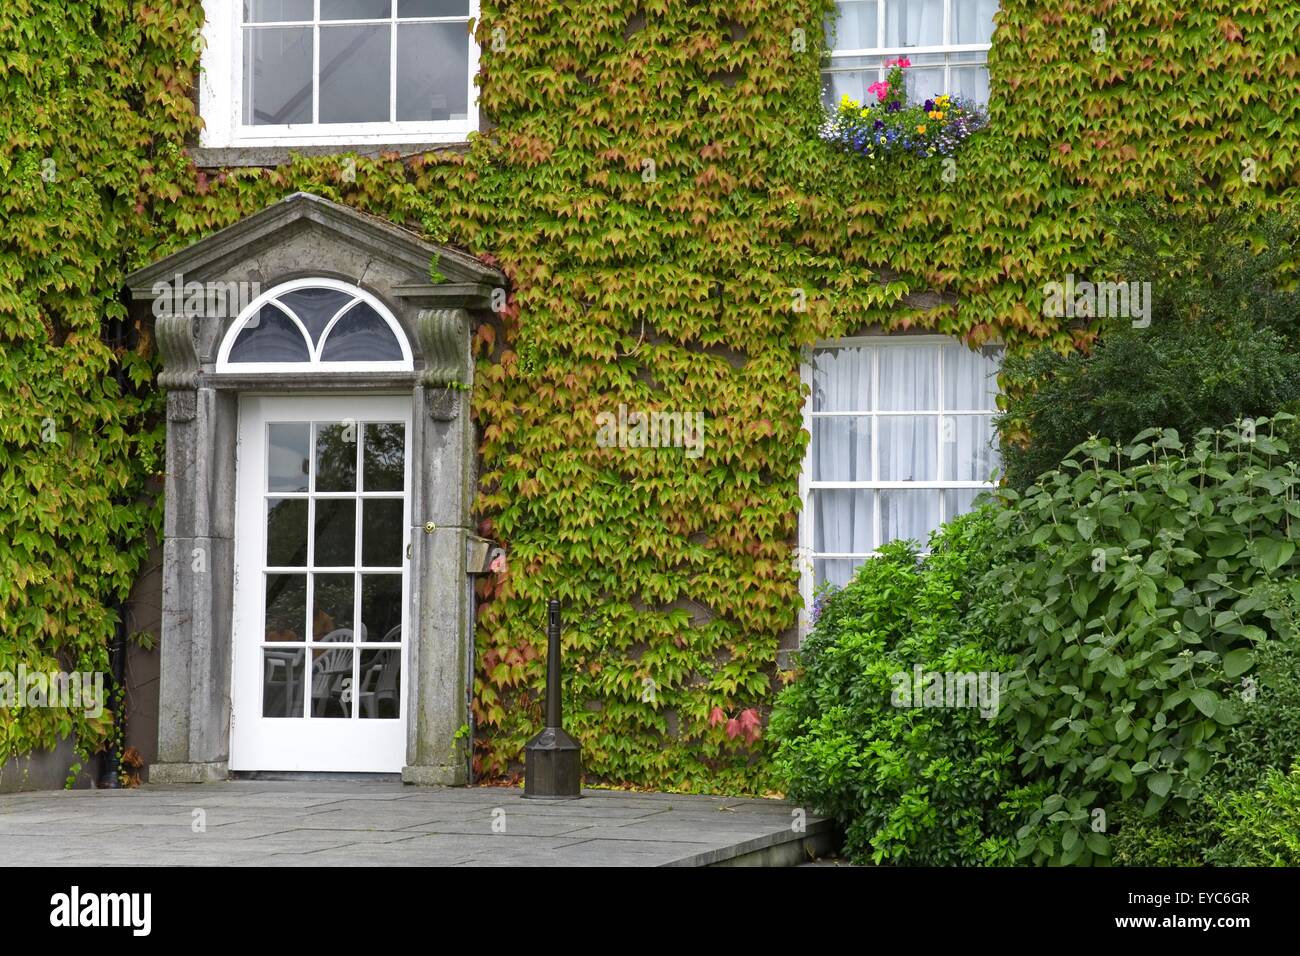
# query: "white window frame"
[[221, 91], [895, 51], [807, 555], [315, 364]]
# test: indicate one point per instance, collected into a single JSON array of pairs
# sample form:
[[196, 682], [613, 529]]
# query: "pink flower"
[[880, 89], [902, 62]]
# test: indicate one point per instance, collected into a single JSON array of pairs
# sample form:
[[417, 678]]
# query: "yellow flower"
[[935, 114], [920, 129], [940, 116]]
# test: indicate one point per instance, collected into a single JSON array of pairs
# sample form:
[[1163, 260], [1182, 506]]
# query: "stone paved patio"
[[369, 823]]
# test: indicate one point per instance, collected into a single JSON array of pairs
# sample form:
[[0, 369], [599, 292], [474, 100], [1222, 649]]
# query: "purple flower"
[[878, 124]]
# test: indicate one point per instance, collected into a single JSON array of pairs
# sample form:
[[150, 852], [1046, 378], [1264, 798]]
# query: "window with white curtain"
[[320, 72], [947, 42], [902, 441]]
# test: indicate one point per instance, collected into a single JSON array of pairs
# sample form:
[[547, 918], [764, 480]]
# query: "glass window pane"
[[855, 26], [332, 607], [315, 307], [971, 82], [385, 457], [433, 8], [287, 456], [332, 688], [381, 607], [381, 533], [276, 11], [282, 684], [277, 75], [909, 448], [336, 456], [843, 521], [854, 83], [269, 336], [972, 20], [968, 450], [355, 9], [958, 501], [379, 694], [432, 71], [286, 607], [354, 72], [838, 571], [841, 449], [913, 23], [970, 380], [336, 528], [361, 335], [924, 78], [842, 380], [909, 378], [909, 514], [286, 533]]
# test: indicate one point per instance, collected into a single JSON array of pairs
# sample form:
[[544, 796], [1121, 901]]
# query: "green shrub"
[[1221, 343], [1259, 827], [1135, 586], [920, 786]]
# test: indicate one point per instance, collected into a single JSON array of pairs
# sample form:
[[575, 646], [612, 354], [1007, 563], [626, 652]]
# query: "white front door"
[[320, 628]]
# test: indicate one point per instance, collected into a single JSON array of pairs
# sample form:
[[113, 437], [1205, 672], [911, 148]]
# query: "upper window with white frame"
[[902, 441], [947, 42], [327, 72]]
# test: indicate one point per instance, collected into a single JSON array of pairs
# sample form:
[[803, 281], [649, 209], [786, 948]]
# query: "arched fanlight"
[[315, 324]]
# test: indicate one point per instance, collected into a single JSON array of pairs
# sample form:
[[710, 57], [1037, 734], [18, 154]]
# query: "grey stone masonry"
[[304, 236]]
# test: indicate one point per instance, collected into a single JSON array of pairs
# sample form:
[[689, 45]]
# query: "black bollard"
[[553, 759]]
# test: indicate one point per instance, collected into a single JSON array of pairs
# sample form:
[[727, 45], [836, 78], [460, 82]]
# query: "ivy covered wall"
[[682, 291]]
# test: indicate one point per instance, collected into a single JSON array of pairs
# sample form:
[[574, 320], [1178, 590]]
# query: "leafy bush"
[[1221, 343], [1137, 584], [921, 785], [1260, 827]]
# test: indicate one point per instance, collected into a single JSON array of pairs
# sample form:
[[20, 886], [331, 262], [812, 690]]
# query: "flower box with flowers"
[[891, 127]]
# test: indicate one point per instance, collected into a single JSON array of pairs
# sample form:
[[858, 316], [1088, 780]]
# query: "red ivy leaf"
[[733, 728], [716, 716]]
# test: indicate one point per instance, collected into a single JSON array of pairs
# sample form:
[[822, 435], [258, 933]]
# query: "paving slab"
[[384, 823]]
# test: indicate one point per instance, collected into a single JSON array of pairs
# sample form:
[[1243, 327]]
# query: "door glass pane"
[[332, 688], [315, 307], [380, 687], [286, 607], [432, 66], [332, 607], [361, 335], [270, 336], [381, 533], [282, 683], [286, 533], [336, 529], [384, 456], [287, 456], [381, 607], [277, 75], [354, 74], [336, 456]]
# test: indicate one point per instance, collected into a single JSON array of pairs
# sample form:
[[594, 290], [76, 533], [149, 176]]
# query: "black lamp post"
[[553, 759]]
